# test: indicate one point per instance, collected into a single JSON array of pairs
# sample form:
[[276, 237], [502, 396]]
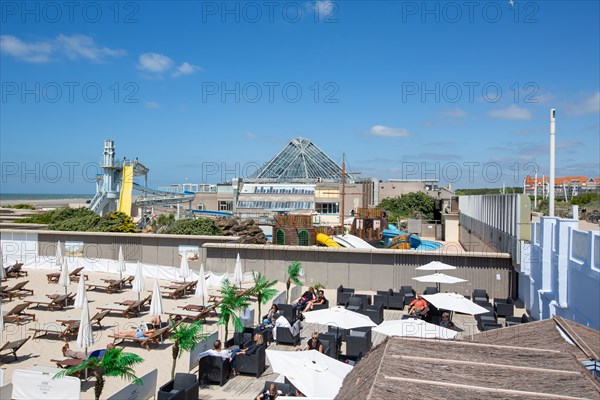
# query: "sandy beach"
[[41, 350]]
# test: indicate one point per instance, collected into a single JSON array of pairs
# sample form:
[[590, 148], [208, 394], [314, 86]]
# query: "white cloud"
[[186, 69], [455, 112], [154, 63], [82, 46], [385, 131], [152, 105], [38, 52], [250, 135], [73, 47], [590, 105], [512, 112]]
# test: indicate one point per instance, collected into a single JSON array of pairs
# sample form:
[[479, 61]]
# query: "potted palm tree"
[[114, 362], [184, 337], [263, 290], [230, 303], [293, 271]]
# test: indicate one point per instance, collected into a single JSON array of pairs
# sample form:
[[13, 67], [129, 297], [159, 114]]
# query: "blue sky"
[[405, 89]]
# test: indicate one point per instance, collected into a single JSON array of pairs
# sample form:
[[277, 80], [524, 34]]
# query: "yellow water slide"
[[126, 190], [326, 240]]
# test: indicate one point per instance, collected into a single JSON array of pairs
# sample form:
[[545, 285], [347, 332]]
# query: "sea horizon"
[[43, 196]]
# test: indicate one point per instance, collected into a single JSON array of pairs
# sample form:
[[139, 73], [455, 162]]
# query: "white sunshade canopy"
[[64, 280], [81, 297], [85, 336], [435, 266], [454, 302], [339, 317], [416, 328], [202, 287], [156, 307], [138, 282], [184, 267], [439, 278], [238, 274], [311, 372]]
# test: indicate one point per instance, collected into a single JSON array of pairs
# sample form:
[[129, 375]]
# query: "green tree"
[[184, 337], [293, 272], [263, 290], [114, 363], [199, 226], [585, 198], [116, 222], [231, 303], [411, 203]]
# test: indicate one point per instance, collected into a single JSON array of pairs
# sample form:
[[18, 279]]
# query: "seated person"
[[320, 300], [306, 297], [270, 394], [267, 318], [156, 322], [445, 319], [418, 307], [217, 351], [67, 352], [314, 343], [284, 323], [248, 351]]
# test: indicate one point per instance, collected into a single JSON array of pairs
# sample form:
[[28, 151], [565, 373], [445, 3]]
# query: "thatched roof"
[[546, 334], [439, 369]]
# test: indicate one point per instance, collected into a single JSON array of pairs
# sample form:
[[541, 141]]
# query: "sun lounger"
[[16, 271], [176, 292], [18, 290], [110, 287], [145, 341], [97, 319], [56, 329], [73, 275], [143, 303], [193, 316], [13, 347], [17, 314], [127, 310], [59, 302]]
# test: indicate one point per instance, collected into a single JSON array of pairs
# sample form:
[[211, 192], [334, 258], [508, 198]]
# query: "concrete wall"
[[496, 221], [148, 248], [378, 269], [560, 272]]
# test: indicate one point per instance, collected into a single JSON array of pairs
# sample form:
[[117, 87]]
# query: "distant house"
[[569, 186]]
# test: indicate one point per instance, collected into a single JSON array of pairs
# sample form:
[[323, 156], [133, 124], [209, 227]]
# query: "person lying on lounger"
[[142, 331], [67, 352]]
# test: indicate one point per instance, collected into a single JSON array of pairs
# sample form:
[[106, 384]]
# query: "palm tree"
[[113, 363], [184, 337], [230, 303], [293, 272], [263, 290]]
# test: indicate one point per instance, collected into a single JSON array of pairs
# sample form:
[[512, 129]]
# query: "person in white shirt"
[[284, 323], [217, 351]]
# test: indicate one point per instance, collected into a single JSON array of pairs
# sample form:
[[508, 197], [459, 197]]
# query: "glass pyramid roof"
[[300, 161]]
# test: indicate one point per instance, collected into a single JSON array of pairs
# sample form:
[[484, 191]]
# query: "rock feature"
[[248, 231]]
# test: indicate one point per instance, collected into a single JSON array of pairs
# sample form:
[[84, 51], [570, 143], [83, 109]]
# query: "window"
[[327, 208], [303, 238], [225, 205], [280, 237]]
